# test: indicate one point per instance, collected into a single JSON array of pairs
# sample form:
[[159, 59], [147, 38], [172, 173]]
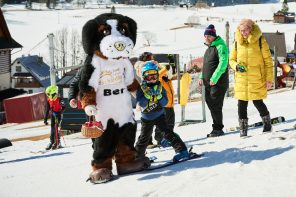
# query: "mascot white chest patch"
[[111, 76], [109, 80]]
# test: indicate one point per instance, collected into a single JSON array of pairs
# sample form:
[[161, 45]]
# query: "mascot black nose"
[[120, 46]]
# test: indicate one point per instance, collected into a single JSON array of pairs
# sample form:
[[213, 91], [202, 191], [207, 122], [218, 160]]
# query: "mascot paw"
[[100, 176], [90, 110]]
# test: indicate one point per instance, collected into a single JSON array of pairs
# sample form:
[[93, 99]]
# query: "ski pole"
[[56, 131], [61, 133]]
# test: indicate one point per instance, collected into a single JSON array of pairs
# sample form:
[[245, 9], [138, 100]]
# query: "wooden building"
[[7, 44], [284, 17], [277, 40], [30, 73]]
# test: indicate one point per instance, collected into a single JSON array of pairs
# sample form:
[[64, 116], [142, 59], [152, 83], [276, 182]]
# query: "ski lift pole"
[[51, 55]]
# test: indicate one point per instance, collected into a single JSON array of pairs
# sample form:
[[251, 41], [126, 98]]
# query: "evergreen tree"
[[285, 7]]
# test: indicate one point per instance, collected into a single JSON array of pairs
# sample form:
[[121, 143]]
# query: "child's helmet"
[[149, 68], [52, 92]]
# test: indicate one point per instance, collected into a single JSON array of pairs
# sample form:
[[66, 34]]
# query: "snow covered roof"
[[37, 68]]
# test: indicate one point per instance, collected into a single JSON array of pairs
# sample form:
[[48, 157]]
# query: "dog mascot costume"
[[106, 82]]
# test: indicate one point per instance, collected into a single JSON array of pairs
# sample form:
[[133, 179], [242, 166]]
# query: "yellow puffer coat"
[[168, 86], [251, 85]]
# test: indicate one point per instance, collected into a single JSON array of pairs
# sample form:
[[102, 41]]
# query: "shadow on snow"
[[213, 158], [36, 157]]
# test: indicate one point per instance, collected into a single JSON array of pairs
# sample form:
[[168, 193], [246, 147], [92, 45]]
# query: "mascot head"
[[110, 36], [52, 92]]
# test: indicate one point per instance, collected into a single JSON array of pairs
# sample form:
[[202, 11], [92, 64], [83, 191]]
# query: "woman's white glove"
[[90, 110], [73, 103]]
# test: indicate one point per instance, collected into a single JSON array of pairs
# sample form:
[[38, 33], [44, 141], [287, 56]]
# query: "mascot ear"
[[89, 33], [132, 28]]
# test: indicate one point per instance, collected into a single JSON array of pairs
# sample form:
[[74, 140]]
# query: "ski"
[[192, 155], [275, 120], [44, 151]]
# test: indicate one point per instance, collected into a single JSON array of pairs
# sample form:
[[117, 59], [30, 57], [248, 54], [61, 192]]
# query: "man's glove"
[[241, 68], [90, 110]]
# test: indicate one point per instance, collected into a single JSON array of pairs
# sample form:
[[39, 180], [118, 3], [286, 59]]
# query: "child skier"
[[152, 98], [56, 106]]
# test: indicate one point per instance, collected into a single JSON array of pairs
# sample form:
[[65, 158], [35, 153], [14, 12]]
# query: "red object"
[[197, 61], [280, 79], [25, 108], [94, 124], [55, 105]]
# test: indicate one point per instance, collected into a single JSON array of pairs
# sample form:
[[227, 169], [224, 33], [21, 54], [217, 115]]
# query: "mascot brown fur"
[[106, 82]]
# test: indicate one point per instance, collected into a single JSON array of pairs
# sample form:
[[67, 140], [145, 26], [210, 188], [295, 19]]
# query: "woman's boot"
[[243, 127], [266, 123]]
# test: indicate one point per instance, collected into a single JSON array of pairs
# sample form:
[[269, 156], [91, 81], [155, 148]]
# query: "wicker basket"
[[92, 129]]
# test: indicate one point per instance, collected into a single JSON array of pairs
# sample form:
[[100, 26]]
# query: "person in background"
[[165, 78], [55, 105], [251, 60], [214, 77], [74, 94], [152, 99], [146, 56], [74, 90]]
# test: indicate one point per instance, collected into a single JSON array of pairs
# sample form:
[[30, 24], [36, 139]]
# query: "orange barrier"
[[286, 70]]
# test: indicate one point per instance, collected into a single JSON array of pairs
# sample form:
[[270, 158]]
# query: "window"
[[30, 91], [18, 69]]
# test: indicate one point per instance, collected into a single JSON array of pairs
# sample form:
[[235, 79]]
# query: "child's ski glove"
[[157, 91], [146, 90]]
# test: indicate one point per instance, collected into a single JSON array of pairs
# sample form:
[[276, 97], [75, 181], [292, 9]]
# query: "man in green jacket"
[[215, 77]]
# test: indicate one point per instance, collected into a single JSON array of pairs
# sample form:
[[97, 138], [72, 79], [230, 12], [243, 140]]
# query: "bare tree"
[[68, 49], [149, 37], [61, 40], [77, 54]]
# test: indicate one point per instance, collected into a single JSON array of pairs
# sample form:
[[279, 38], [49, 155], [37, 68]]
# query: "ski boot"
[[181, 156], [56, 146], [49, 146], [165, 143]]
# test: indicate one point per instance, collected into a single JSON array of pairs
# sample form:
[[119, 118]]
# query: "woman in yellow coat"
[[251, 59]]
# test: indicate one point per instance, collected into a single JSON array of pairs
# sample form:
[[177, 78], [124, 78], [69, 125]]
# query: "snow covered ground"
[[262, 165]]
